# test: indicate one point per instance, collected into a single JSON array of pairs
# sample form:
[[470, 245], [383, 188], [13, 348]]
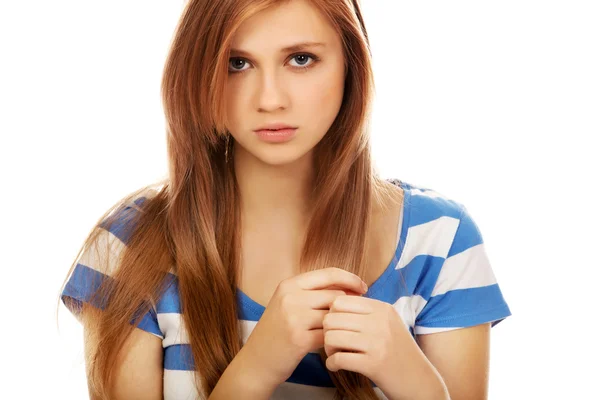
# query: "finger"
[[344, 321], [348, 292], [326, 277], [338, 340], [352, 304], [316, 339], [348, 361], [314, 319], [321, 299]]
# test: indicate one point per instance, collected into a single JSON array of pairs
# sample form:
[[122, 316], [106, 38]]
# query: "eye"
[[301, 58], [237, 61]]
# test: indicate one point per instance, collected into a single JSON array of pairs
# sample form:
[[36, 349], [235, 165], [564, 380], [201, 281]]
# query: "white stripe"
[[106, 248], [179, 385], [427, 193], [419, 305], [95, 256], [421, 330], [172, 328], [408, 307], [432, 238], [246, 328], [467, 269]]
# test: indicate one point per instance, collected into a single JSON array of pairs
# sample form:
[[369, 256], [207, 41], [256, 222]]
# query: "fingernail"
[[365, 287]]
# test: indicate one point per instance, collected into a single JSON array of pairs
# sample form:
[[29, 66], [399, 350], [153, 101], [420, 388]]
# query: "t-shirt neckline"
[[252, 310]]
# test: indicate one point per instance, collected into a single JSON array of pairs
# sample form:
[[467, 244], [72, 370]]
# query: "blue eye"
[[301, 55], [239, 61]]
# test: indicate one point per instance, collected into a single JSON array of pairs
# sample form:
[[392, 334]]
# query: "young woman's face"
[[302, 87]]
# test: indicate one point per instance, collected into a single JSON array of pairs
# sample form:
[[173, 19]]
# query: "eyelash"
[[315, 60]]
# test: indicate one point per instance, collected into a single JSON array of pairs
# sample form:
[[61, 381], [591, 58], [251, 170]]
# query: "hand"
[[366, 336], [292, 323]]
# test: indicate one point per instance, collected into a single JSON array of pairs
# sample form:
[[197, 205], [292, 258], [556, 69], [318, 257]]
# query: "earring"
[[227, 148]]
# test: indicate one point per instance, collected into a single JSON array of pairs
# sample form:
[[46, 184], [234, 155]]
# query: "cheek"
[[321, 98], [234, 97]]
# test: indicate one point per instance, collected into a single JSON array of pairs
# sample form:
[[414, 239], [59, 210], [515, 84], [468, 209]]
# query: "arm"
[[420, 381], [240, 381], [461, 357], [139, 366], [452, 365], [411, 375]]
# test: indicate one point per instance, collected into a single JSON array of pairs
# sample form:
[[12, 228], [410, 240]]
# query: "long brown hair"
[[191, 221]]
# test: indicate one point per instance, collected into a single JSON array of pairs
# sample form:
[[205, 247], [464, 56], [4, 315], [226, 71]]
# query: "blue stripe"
[[410, 186], [467, 235], [169, 301], [178, 357], [83, 283], [464, 307], [390, 270], [418, 277], [121, 223], [426, 209], [311, 371], [82, 287], [149, 323], [248, 309]]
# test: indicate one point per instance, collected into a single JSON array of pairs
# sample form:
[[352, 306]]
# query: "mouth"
[[275, 126], [276, 135]]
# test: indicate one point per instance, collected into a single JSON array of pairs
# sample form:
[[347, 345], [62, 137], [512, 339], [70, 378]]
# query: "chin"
[[279, 159], [275, 154], [281, 155]]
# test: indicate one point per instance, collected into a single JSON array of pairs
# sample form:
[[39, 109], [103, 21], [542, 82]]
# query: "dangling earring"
[[227, 148]]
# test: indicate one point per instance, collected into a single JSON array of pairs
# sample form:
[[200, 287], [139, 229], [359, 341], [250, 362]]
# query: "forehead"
[[283, 25]]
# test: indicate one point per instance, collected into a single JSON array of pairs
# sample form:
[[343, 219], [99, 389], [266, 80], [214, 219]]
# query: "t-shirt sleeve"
[[466, 292], [97, 264]]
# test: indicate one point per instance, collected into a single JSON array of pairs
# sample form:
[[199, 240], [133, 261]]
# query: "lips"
[[275, 126], [276, 131], [276, 135]]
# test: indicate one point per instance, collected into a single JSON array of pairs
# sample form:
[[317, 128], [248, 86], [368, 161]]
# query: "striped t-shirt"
[[439, 279]]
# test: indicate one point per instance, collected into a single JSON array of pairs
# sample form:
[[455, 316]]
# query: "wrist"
[[255, 375], [421, 381], [241, 381]]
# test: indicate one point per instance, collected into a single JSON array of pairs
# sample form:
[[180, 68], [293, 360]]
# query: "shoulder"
[[436, 224], [121, 219], [428, 204], [103, 248]]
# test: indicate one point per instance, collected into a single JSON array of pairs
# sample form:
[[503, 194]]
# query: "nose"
[[272, 92]]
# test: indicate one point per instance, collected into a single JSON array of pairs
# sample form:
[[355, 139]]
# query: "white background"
[[494, 104]]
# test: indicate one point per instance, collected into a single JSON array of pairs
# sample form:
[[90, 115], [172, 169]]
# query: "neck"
[[273, 193]]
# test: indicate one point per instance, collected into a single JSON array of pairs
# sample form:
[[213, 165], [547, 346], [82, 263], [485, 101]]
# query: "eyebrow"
[[294, 47]]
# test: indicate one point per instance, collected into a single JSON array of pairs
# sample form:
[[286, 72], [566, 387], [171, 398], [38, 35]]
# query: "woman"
[[261, 267]]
